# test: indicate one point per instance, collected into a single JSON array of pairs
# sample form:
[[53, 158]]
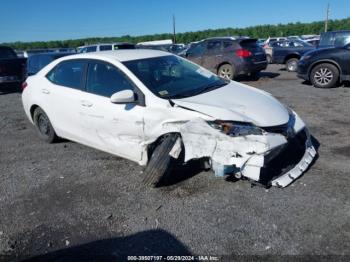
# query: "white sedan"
[[157, 109]]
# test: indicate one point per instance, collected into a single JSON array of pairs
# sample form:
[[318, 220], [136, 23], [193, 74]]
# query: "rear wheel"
[[161, 162], [324, 76], [292, 64], [226, 71], [43, 126]]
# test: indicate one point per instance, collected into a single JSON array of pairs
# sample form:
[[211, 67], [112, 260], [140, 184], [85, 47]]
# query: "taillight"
[[24, 85], [243, 53]]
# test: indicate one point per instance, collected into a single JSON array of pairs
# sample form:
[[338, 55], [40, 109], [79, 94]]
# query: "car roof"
[[51, 54], [116, 43], [121, 55], [226, 38]]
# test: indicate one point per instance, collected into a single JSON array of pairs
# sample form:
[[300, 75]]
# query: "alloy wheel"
[[323, 76]]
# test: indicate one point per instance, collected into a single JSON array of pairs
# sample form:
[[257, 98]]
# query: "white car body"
[[128, 130]]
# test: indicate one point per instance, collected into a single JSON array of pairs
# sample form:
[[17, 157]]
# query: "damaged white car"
[[158, 109]]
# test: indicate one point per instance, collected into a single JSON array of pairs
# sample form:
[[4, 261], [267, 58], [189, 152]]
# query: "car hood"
[[238, 102]]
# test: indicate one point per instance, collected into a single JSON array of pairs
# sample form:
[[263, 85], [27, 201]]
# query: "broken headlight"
[[236, 128]]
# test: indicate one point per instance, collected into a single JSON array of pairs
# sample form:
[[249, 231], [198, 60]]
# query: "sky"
[[43, 20]]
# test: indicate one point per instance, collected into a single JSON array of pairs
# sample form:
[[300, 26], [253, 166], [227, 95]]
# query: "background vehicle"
[[171, 48], [12, 68], [36, 62], [228, 56], [274, 39], [325, 67], [269, 49], [335, 38], [289, 53], [105, 47], [313, 41]]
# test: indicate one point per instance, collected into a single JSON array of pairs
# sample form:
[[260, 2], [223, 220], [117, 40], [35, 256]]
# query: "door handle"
[[86, 103], [45, 91]]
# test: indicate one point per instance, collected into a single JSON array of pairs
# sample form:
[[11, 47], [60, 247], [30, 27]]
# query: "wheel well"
[[32, 109], [152, 146], [324, 62], [291, 56]]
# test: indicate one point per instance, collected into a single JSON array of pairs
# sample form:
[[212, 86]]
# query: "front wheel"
[[161, 163], [43, 126], [292, 64], [324, 76], [226, 71]]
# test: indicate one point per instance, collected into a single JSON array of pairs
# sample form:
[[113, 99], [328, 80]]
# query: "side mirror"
[[123, 97]]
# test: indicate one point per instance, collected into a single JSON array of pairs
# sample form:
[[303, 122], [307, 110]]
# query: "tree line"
[[259, 31]]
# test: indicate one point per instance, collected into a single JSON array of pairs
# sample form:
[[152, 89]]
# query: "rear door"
[[62, 95], [213, 55]]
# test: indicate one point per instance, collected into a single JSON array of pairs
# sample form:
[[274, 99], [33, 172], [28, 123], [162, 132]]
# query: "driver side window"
[[104, 79]]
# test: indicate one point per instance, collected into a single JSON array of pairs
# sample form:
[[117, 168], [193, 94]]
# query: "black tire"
[[269, 59], [324, 75], [292, 64], [161, 163], [227, 71], [44, 126]]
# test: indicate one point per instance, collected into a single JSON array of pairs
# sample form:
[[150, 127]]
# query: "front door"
[[114, 128]]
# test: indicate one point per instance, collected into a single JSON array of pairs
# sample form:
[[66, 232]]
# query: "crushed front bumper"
[[285, 163], [287, 178]]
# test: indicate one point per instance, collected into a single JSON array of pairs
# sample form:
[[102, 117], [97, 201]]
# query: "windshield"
[[173, 77]]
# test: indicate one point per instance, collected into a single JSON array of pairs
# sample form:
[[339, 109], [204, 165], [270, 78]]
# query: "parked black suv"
[[228, 56], [325, 67]]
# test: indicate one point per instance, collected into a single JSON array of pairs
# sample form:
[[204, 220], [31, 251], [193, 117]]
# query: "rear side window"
[[214, 46], [326, 39], [105, 47], [68, 73], [342, 39], [91, 49], [104, 79]]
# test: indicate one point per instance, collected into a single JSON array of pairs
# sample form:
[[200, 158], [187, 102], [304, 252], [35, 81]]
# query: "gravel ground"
[[66, 200]]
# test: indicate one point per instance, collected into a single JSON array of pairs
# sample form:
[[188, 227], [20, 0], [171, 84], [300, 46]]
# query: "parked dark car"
[[36, 62], [325, 67], [289, 52], [12, 68], [228, 57]]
